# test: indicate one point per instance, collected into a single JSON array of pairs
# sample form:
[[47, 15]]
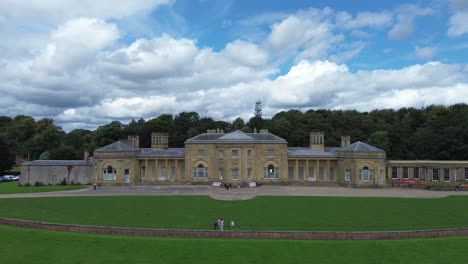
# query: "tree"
[[48, 137], [108, 134], [380, 139], [19, 134], [6, 157], [238, 124]]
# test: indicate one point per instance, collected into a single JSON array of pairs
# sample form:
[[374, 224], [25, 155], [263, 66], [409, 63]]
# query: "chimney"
[[345, 141], [255, 130], [134, 141], [263, 131], [86, 154], [317, 141], [159, 141]]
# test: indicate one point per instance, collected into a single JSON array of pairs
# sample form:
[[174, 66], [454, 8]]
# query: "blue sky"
[[85, 63]]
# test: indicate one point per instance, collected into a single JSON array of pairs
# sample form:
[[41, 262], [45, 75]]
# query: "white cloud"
[[323, 84], [57, 11], [178, 65], [309, 34], [458, 24], [76, 43], [364, 19], [246, 53], [404, 26], [425, 52]]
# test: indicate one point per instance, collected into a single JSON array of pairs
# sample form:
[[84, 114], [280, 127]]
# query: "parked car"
[[3, 179], [16, 178], [9, 177]]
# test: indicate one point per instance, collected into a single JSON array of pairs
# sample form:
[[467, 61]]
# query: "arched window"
[[270, 172], [200, 172], [365, 174], [110, 174]]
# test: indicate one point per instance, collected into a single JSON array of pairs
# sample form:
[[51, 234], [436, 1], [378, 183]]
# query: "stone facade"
[[240, 158]]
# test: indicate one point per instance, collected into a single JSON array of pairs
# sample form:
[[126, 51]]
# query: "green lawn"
[[39, 246], [12, 187], [261, 213]]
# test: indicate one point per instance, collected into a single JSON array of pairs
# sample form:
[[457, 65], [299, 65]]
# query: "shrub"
[[38, 183], [63, 182]]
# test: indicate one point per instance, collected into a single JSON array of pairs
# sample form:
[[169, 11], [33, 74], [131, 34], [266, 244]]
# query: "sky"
[[85, 63]]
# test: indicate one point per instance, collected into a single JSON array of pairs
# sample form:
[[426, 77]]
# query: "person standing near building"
[[221, 225]]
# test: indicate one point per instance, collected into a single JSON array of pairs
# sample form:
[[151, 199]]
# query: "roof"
[[361, 147], [298, 152], [236, 137], [89, 162], [162, 153], [116, 146]]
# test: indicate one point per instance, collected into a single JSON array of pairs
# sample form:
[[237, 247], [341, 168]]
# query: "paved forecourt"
[[243, 193]]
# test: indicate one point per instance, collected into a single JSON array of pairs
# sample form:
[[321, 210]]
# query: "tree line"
[[432, 132]]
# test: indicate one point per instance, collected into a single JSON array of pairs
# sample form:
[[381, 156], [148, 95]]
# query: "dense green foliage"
[[433, 132], [260, 213], [38, 246], [13, 187]]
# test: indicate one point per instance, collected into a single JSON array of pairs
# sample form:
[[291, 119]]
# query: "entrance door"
[[271, 172], [127, 176]]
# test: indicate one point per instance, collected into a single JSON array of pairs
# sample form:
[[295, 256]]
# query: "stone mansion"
[[239, 157]]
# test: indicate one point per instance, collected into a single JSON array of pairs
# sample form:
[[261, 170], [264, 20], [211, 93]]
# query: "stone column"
[[296, 171], [165, 165], [176, 176], [317, 171], [146, 170]]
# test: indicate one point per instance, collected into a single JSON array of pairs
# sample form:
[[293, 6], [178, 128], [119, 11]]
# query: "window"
[[394, 173], [415, 173], [270, 172], [127, 176], [109, 174], [221, 154], [163, 173], [173, 172], [249, 153], [435, 174], [201, 153], [200, 172], [235, 153], [182, 172], [311, 174], [466, 174], [321, 172], [234, 174], [143, 173], [270, 153], [153, 173], [300, 173], [220, 174], [249, 173], [347, 175], [405, 172], [447, 175], [291, 173], [365, 174], [331, 175], [382, 175]]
